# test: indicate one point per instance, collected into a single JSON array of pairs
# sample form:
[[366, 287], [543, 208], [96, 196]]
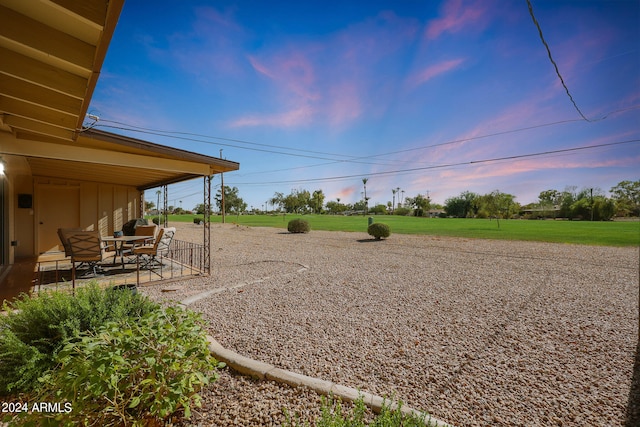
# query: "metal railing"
[[183, 259]]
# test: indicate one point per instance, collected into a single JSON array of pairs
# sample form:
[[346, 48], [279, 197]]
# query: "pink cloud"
[[457, 16], [287, 119], [344, 194], [209, 49], [292, 71], [335, 79], [345, 104], [435, 70]]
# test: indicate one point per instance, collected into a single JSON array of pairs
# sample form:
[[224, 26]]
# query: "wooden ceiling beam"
[[42, 38], [16, 107], [33, 126], [94, 11], [20, 89], [48, 76]]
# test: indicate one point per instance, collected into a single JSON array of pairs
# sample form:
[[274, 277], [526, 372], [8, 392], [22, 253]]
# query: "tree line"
[[586, 204]]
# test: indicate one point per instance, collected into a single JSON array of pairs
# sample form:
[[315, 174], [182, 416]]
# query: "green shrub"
[[298, 226], [36, 327], [130, 372], [379, 230], [402, 211]]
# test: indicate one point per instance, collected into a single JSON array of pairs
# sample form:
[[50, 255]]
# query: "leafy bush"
[[36, 327], [130, 372], [402, 211], [298, 226], [378, 210], [379, 230]]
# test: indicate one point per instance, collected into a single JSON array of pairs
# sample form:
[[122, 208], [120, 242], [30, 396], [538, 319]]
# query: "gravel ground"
[[475, 332]]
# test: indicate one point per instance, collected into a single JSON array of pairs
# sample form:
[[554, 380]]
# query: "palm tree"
[[364, 182], [393, 206]]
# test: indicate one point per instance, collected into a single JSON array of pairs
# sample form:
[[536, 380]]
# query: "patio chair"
[[63, 234], [86, 247], [141, 230], [147, 255]]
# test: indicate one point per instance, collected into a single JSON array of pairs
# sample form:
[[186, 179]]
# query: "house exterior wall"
[[102, 207]]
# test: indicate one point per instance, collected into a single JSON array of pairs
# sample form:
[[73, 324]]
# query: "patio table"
[[120, 241]]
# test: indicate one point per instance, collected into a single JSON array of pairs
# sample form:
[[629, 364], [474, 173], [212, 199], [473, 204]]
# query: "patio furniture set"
[[90, 250]]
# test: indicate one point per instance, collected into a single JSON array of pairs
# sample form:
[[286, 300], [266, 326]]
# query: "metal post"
[[207, 225], [158, 206], [141, 206], [222, 189], [166, 206]]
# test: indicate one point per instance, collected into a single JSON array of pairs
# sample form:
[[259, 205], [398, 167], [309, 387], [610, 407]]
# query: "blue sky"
[[420, 95]]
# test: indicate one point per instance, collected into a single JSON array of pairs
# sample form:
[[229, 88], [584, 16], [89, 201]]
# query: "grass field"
[[622, 233]]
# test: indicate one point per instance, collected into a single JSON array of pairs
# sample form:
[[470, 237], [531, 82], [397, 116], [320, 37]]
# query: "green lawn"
[[623, 233]]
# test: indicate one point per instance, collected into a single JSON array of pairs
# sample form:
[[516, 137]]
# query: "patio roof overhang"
[[52, 52], [103, 157]]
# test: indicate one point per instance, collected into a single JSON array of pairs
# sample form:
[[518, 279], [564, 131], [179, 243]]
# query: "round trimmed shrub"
[[379, 230], [298, 226]]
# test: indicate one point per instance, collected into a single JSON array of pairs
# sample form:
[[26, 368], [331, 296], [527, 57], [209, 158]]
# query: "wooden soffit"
[[51, 53]]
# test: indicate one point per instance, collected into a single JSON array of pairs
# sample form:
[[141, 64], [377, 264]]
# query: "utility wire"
[[535, 21], [170, 132], [448, 165], [347, 159]]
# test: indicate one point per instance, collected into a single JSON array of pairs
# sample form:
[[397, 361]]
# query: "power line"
[[442, 166], [348, 159], [169, 133], [535, 21]]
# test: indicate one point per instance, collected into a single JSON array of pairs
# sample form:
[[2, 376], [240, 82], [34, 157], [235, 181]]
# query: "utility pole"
[[222, 189]]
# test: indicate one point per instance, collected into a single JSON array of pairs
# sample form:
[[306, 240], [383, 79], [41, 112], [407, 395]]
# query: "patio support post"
[[207, 225], [141, 205], [165, 216]]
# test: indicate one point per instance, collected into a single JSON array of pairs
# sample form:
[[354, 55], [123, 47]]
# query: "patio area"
[[53, 271]]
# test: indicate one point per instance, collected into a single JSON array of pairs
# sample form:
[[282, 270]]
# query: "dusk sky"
[[420, 95]]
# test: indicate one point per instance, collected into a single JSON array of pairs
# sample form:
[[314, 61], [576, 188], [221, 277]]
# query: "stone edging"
[[261, 370]]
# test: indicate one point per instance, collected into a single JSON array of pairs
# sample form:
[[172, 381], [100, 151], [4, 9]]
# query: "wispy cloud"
[[434, 70], [292, 71], [211, 48], [333, 79], [457, 16], [287, 119], [345, 194]]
